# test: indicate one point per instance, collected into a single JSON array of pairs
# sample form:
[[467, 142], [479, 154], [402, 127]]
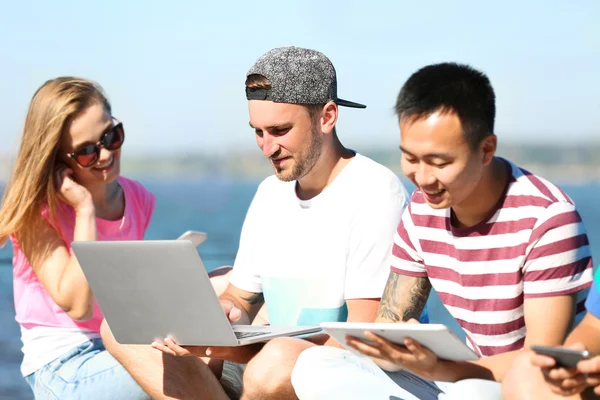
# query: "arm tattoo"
[[419, 295], [255, 298], [387, 306], [404, 298]]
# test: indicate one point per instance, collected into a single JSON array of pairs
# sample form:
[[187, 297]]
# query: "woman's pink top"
[[33, 304]]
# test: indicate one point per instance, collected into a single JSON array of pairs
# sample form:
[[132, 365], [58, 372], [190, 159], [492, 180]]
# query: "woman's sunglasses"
[[88, 155]]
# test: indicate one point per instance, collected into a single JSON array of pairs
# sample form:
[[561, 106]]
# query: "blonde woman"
[[66, 186]]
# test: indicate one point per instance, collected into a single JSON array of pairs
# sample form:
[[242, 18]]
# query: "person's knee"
[[522, 362], [314, 359], [302, 374], [520, 377], [474, 389], [312, 366], [315, 371], [269, 372], [521, 367]]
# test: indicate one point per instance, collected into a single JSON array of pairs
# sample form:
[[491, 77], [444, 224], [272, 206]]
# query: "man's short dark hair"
[[450, 87]]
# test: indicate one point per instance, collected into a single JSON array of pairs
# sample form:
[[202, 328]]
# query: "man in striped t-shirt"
[[531, 245], [505, 250]]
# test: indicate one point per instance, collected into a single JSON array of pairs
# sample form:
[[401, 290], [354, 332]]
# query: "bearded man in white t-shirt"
[[314, 243]]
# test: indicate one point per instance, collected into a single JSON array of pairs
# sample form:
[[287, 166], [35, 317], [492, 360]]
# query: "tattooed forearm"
[[387, 307], [419, 295], [404, 298], [255, 298]]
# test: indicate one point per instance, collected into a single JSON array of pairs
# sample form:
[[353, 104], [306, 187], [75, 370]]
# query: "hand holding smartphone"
[[564, 357], [197, 238]]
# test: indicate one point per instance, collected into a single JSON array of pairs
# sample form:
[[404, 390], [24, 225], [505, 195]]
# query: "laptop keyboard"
[[245, 335]]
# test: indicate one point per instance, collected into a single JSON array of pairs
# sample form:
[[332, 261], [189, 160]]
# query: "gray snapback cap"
[[297, 76]]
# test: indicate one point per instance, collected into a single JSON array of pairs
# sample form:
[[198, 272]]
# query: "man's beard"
[[304, 163]]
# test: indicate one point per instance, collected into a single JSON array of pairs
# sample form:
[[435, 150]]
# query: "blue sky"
[[175, 70]]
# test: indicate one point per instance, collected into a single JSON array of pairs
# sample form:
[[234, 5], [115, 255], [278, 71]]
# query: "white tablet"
[[197, 238], [436, 337]]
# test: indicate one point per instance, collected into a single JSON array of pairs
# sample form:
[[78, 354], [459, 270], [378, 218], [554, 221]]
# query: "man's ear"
[[488, 149], [329, 115]]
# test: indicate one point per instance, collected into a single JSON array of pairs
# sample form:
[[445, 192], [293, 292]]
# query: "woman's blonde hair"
[[53, 106]]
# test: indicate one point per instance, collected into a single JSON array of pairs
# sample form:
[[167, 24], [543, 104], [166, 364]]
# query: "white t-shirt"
[[309, 256]]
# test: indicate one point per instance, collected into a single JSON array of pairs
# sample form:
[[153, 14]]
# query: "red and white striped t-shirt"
[[533, 244]]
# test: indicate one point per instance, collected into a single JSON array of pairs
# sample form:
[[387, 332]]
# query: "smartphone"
[[197, 238], [564, 357]]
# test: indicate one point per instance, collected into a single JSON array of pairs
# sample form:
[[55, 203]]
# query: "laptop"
[[153, 289]]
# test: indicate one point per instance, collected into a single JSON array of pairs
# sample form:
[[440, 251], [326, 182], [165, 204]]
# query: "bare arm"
[[58, 271], [404, 297], [359, 310], [541, 330], [549, 329], [587, 332]]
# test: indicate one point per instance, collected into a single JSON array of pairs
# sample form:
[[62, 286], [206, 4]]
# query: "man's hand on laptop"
[[233, 313], [169, 346], [241, 354]]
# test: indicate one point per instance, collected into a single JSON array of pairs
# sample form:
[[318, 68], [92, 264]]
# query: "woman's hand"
[[71, 192]]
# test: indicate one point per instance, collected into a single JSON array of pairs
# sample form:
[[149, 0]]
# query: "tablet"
[[197, 238], [436, 337]]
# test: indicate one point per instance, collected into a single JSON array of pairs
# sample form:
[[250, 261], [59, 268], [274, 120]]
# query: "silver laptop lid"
[[152, 289]]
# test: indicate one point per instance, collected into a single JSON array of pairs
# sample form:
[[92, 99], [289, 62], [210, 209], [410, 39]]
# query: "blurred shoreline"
[[574, 164]]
